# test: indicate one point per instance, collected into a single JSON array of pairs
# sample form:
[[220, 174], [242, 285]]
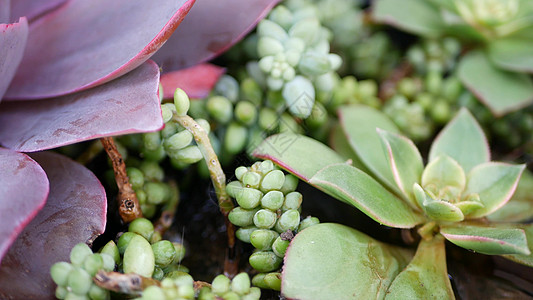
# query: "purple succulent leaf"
[[129, 104], [4, 11], [74, 212], [12, 42], [196, 81], [84, 44], [23, 192], [32, 9], [211, 28]]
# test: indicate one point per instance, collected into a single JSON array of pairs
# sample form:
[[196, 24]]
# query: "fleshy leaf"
[[512, 54], [502, 91], [12, 42], [333, 261], [426, 276], [495, 183], [211, 28], [463, 140], [340, 144], [415, 16], [23, 192], [488, 240], [520, 258], [520, 206], [32, 9], [436, 209], [356, 188], [5, 7], [444, 171], [405, 162], [359, 123], [87, 43], [296, 153], [196, 81], [127, 105], [74, 212]]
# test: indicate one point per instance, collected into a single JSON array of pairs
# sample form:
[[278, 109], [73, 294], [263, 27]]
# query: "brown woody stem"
[[129, 207], [131, 283]]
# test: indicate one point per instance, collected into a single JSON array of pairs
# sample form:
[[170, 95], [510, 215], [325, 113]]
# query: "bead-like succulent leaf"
[[463, 140], [502, 91], [495, 183], [196, 81], [488, 240], [426, 276], [74, 212], [333, 261], [357, 188]]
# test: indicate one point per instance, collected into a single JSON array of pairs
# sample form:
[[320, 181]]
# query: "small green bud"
[[440, 111], [186, 292], [240, 171], [228, 87], [245, 112], [273, 280], [262, 239], [139, 257], [153, 292], [259, 280], [293, 200], [164, 253], [452, 88], [220, 108], [308, 222], [242, 217], [59, 272], [234, 188], [179, 140], [266, 63], [290, 184], [265, 261], [180, 252], [79, 281], [367, 88], [244, 233], [142, 227], [271, 29], [251, 91], [273, 181], [268, 46], [206, 294], [307, 29], [281, 15], [98, 293], [152, 171], [289, 220], [220, 285], [204, 124], [265, 218], [93, 263], [235, 138], [251, 179], [156, 155], [299, 95], [136, 178], [182, 102], [249, 198], [272, 200], [434, 83], [109, 262], [189, 155], [231, 296], [314, 64], [79, 253], [167, 112], [279, 247], [254, 294], [61, 292], [124, 240], [241, 284], [152, 140], [156, 192], [74, 296], [268, 119]]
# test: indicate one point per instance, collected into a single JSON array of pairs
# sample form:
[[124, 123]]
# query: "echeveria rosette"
[[497, 69]]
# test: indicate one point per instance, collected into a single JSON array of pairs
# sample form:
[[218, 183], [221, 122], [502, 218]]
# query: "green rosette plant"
[[382, 173], [498, 32]]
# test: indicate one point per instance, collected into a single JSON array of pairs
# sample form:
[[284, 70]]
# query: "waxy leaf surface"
[[23, 192], [502, 91], [488, 240], [444, 171], [522, 258], [298, 154], [404, 160], [426, 276], [463, 140], [211, 28], [196, 81], [127, 105], [32, 9], [12, 42], [333, 261], [360, 125], [340, 144], [415, 16], [512, 54], [520, 207], [495, 183], [87, 43], [74, 212], [5, 11], [357, 188]]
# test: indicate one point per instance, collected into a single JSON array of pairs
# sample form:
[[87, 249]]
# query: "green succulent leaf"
[[415, 16], [359, 123], [444, 171], [356, 188], [512, 54], [463, 140], [502, 91], [436, 209], [522, 258], [426, 276], [333, 261], [495, 183], [488, 240], [300, 155], [404, 160], [520, 206], [340, 144]]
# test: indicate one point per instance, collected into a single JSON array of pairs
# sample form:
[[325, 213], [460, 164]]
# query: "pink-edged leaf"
[[23, 192], [87, 43], [522, 258], [74, 212], [211, 28], [4, 11], [196, 81], [12, 42], [32, 9], [488, 240], [127, 105]]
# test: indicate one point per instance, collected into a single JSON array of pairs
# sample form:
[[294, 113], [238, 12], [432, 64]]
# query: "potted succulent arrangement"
[[133, 168]]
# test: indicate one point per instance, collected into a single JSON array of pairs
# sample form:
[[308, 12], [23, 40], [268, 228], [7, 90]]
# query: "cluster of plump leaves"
[[497, 68], [386, 179]]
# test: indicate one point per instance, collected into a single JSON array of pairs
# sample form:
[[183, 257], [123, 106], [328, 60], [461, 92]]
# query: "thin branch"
[[129, 207], [131, 283]]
